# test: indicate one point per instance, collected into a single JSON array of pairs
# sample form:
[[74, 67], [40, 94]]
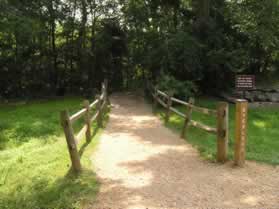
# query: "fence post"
[[169, 104], [146, 88], [103, 89], [222, 131], [106, 91], [188, 117], [155, 100], [100, 115], [105, 97], [87, 120], [70, 138], [240, 132]]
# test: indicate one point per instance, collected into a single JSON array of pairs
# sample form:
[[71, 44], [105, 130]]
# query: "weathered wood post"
[[169, 104], [106, 99], [146, 88], [99, 109], [188, 116], [70, 138], [222, 131], [155, 100], [240, 132], [106, 91], [103, 89], [87, 120]]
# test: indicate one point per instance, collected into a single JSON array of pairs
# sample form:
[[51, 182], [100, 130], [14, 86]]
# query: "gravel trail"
[[141, 164]]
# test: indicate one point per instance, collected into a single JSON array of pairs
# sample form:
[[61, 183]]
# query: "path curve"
[[141, 164]]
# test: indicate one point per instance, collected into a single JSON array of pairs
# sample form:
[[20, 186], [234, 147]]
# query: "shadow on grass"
[[64, 193], [47, 191], [95, 129], [37, 120], [47, 182], [85, 145]]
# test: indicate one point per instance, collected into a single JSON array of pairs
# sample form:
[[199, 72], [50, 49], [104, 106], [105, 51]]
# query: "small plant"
[[180, 89]]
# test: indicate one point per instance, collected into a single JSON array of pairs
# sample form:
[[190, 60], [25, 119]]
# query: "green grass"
[[263, 132], [34, 161]]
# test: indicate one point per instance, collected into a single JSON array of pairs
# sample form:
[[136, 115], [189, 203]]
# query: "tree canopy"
[[57, 47]]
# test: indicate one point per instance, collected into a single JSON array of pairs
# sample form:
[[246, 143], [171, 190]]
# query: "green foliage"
[[50, 48], [202, 42], [64, 46], [184, 56], [263, 131], [34, 160], [258, 23], [180, 89]]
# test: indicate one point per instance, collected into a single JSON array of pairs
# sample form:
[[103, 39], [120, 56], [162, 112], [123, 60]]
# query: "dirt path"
[[142, 164]]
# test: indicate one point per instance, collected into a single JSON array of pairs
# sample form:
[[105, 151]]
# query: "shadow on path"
[[142, 164]]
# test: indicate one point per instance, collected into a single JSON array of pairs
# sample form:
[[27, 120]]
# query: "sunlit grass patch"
[[34, 160], [263, 132]]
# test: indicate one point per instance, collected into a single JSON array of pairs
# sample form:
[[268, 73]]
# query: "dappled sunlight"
[[128, 119], [37, 120], [251, 200], [37, 124], [142, 119], [260, 124], [138, 180], [142, 164], [35, 165]]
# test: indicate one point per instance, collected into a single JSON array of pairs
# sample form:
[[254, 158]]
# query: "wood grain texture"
[[240, 132], [99, 109], [168, 110], [81, 134], [203, 127], [177, 112], [188, 117], [78, 115], [71, 142], [87, 120], [222, 131]]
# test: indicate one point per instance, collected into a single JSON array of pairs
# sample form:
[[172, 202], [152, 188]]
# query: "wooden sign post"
[[240, 132]]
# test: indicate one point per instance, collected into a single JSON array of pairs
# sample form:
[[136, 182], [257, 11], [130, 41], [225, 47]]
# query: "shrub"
[[180, 89]]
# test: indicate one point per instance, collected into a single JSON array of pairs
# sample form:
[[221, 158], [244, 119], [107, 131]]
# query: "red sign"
[[245, 82]]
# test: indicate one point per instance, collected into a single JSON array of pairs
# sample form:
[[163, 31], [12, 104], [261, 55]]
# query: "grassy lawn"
[[34, 161], [263, 132]]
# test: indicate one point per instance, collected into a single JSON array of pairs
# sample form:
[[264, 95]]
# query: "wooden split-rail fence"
[[221, 114], [99, 106]]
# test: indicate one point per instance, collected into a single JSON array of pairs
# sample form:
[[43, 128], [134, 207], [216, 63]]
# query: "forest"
[[67, 47], [76, 131]]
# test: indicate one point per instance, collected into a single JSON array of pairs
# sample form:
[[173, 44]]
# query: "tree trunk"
[[81, 55], [53, 74], [201, 9], [93, 47], [82, 29]]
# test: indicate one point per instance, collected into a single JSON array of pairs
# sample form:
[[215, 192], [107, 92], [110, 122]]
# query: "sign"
[[240, 131], [245, 82]]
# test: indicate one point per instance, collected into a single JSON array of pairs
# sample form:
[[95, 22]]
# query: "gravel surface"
[[141, 164]]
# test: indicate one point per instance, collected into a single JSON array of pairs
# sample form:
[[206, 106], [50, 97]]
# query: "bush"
[[180, 89]]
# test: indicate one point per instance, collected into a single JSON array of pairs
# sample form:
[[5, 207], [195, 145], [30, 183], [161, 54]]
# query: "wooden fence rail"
[[67, 121], [221, 115]]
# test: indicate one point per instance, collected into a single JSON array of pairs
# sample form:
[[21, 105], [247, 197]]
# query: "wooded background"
[[58, 47]]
